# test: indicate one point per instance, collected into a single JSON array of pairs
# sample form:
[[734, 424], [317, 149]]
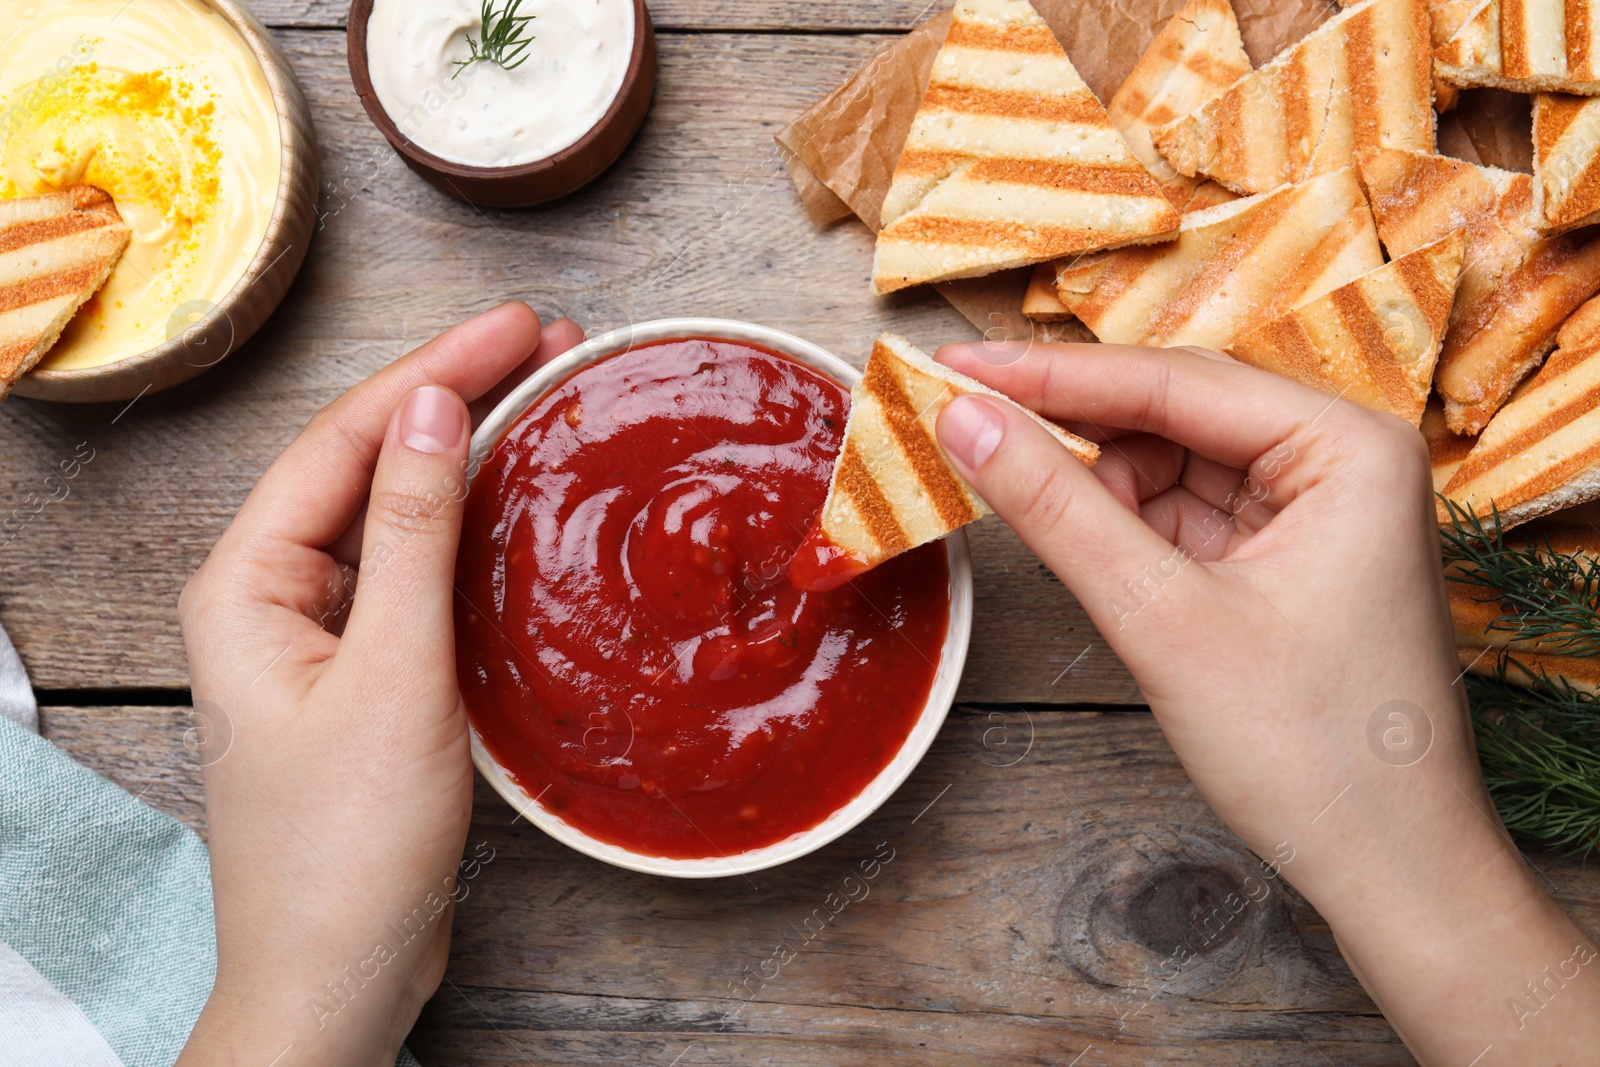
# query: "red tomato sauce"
[[629, 645]]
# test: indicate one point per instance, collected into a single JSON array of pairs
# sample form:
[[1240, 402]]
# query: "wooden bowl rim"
[[356, 35], [286, 95]]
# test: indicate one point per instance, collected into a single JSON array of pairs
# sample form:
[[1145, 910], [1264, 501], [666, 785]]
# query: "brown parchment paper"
[[843, 149]]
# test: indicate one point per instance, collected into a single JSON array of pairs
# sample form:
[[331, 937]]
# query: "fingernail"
[[970, 429], [431, 420]]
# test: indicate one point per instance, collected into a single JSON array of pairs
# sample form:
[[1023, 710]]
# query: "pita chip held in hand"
[[56, 251], [893, 489], [1010, 160]]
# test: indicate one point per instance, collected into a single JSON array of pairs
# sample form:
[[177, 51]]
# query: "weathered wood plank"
[[1046, 883], [744, 15], [697, 219]]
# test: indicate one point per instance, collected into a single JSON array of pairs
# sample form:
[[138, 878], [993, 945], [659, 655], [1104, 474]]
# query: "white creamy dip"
[[487, 116]]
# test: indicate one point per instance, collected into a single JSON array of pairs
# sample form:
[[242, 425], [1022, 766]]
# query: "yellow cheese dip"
[[161, 104]]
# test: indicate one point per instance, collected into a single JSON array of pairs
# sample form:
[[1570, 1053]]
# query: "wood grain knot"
[[1178, 910]]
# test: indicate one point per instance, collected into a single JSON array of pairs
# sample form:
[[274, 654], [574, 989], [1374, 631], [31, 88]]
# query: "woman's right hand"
[[1265, 559]]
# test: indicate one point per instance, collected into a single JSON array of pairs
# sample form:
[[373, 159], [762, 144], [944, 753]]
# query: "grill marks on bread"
[[1232, 267], [56, 251], [893, 489], [1374, 341], [1010, 160], [1361, 80], [1517, 288], [1526, 46]]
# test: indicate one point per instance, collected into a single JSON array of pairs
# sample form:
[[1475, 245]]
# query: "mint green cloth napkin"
[[108, 899]]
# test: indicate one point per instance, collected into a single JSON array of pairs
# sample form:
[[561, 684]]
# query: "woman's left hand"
[[322, 656]]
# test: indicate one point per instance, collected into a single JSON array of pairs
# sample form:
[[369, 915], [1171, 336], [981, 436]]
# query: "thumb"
[[402, 615], [1094, 544]]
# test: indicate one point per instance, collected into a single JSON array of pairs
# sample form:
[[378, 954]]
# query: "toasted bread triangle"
[[1362, 79], [1373, 341], [56, 250], [1197, 55], [1010, 160], [1526, 48], [1231, 267], [1517, 288], [893, 489], [1541, 451], [1566, 162]]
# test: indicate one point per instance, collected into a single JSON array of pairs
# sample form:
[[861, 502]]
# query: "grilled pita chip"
[[1360, 80], [1541, 452], [1446, 448], [1231, 267], [1582, 327], [892, 487], [1517, 289], [56, 251], [1566, 170], [1373, 341], [1526, 47], [1010, 160], [1040, 302], [1445, 19], [1196, 55], [1194, 58]]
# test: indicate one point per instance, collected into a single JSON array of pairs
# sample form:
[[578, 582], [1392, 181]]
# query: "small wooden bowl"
[[526, 184], [216, 331]]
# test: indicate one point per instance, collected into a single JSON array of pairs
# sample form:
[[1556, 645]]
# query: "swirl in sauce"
[[629, 645]]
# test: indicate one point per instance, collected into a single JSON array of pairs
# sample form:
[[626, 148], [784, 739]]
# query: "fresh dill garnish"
[[1548, 596], [1538, 736], [503, 42], [1540, 748]]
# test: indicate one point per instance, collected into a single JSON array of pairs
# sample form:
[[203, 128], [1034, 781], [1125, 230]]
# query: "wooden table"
[[1049, 858]]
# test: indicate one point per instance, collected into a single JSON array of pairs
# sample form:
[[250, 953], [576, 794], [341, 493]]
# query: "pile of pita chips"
[[1518, 286], [1331, 145], [1010, 160], [1232, 267], [1373, 341], [1361, 80], [1194, 58], [893, 489]]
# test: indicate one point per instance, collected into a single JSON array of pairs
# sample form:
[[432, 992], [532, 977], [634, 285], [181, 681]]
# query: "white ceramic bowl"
[[940, 696]]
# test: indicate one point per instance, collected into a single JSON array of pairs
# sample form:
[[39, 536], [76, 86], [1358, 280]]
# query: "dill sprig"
[[503, 41], [1540, 749], [1548, 596]]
